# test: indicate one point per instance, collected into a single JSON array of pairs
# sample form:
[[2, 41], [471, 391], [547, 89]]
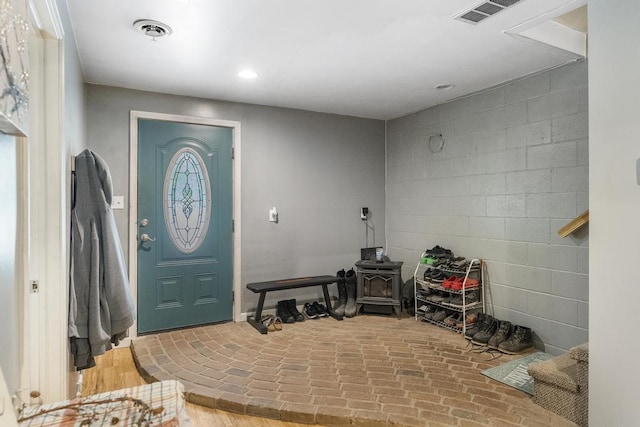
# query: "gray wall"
[[614, 127], [9, 289], [514, 169], [317, 169]]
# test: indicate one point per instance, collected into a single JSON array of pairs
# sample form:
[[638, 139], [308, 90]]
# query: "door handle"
[[146, 238]]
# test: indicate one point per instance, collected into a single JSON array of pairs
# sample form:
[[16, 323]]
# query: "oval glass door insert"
[[187, 207]]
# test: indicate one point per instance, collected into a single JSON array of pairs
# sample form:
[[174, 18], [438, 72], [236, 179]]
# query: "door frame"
[[133, 200]]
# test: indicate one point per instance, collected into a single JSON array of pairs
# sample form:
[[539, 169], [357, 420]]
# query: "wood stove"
[[378, 285]]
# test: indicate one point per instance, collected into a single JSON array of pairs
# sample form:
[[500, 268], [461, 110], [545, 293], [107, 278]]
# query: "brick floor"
[[369, 370]]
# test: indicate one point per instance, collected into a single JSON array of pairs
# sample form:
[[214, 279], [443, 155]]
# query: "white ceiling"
[[368, 58]]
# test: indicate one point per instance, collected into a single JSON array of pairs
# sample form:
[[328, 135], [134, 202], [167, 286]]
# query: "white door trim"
[[44, 182], [133, 200]]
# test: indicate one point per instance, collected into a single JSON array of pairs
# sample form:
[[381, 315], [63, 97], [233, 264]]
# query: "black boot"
[[521, 340], [350, 281], [342, 293]]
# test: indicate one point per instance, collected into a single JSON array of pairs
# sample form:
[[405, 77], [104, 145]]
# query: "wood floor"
[[115, 370]]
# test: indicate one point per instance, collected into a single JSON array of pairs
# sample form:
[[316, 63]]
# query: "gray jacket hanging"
[[100, 303]]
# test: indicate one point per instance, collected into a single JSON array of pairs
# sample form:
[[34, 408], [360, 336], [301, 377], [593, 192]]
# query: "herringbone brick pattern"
[[369, 371]]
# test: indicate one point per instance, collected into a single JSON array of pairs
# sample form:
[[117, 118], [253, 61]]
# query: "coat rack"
[[575, 224]]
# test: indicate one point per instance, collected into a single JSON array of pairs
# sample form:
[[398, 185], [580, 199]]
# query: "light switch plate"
[[117, 202]]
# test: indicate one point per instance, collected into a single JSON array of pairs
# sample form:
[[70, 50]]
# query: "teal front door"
[[185, 228]]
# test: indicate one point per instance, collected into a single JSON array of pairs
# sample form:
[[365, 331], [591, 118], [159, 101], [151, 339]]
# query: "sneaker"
[[320, 309], [456, 301], [430, 311], [504, 332], [310, 311], [291, 305], [453, 319], [282, 311], [520, 340], [439, 316]]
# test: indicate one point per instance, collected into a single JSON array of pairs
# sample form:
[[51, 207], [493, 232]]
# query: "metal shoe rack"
[[420, 287]]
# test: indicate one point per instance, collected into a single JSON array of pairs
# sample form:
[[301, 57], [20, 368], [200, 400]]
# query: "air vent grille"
[[488, 8], [484, 10], [473, 16], [505, 3]]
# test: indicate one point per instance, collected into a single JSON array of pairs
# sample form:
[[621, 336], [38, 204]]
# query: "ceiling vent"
[[484, 10]]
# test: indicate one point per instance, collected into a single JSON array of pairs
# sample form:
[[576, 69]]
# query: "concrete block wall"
[[513, 170]]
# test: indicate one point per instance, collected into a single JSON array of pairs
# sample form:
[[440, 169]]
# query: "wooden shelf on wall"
[[575, 224]]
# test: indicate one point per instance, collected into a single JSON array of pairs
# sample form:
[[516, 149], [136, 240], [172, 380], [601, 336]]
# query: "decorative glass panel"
[[187, 206]]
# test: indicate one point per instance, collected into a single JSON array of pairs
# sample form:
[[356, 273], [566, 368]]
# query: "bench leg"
[[327, 302], [256, 321]]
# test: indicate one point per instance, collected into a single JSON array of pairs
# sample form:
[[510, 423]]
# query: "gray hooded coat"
[[100, 303]]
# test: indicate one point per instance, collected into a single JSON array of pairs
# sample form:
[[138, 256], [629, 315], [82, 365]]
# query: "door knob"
[[146, 238]]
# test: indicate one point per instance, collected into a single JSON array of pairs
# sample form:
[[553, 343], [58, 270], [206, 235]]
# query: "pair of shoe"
[[315, 310], [346, 281], [500, 335], [288, 312], [456, 300]]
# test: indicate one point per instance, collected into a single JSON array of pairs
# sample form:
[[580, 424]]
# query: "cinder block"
[[566, 336], [583, 260], [492, 184], [489, 142], [414, 135], [555, 104], [532, 278], [551, 205], [512, 298], [540, 305], [552, 155], [583, 152], [583, 201], [538, 255], [504, 251], [515, 114], [571, 285], [524, 182], [564, 310], [563, 258], [468, 206], [457, 186], [486, 100], [567, 180], [528, 230], [574, 75], [439, 169], [485, 227], [480, 122], [583, 99], [570, 128], [506, 206], [507, 160], [529, 134], [528, 88], [583, 314]]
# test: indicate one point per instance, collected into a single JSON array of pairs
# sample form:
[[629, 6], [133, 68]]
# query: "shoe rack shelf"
[[463, 304]]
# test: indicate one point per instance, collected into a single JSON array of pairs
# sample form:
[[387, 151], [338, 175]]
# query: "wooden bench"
[[278, 285]]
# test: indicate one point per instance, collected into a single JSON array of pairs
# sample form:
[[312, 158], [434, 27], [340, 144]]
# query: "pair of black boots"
[[288, 312], [500, 335], [346, 293]]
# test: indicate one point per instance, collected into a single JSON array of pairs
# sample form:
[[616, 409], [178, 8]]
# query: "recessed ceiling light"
[[248, 74], [445, 86], [151, 28]]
